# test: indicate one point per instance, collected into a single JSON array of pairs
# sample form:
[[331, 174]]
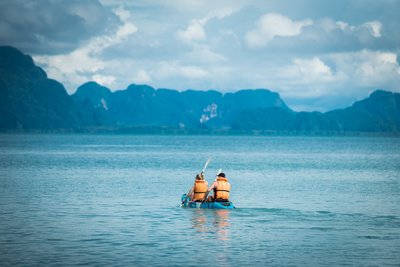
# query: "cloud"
[[193, 72], [304, 78], [104, 79], [370, 68], [204, 55], [356, 75], [175, 69], [349, 75], [271, 25], [127, 27], [142, 76], [306, 49], [221, 13], [195, 30], [310, 71], [51, 27], [86, 60], [122, 13], [374, 28], [124, 31], [324, 35]]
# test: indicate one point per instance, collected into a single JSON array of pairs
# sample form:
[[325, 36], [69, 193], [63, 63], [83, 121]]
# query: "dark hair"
[[221, 175]]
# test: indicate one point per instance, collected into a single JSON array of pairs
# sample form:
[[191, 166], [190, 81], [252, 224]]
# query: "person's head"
[[221, 175], [200, 176]]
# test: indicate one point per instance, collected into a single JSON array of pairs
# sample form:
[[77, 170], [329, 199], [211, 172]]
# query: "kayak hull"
[[206, 205]]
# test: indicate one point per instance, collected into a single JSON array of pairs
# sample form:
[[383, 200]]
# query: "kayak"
[[206, 205]]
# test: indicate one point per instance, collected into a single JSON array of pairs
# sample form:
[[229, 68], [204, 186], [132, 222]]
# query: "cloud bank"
[[273, 25], [316, 55]]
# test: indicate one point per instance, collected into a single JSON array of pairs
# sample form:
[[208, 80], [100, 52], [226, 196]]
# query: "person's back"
[[222, 189], [199, 188]]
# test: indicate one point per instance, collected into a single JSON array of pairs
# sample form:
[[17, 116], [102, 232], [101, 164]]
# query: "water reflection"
[[199, 220], [211, 221]]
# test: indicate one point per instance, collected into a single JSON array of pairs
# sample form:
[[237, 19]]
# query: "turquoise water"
[[114, 200]]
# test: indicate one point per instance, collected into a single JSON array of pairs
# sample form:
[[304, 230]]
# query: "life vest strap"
[[197, 192], [222, 190]]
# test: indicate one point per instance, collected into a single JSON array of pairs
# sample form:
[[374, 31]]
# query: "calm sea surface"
[[113, 200]]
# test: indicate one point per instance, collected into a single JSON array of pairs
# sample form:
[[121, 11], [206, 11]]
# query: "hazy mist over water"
[[114, 200]]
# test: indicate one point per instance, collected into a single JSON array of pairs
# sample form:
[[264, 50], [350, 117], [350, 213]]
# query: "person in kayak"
[[199, 189], [221, 189]]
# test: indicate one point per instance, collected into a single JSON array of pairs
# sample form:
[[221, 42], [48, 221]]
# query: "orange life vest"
[[223, 189], [200, 189]]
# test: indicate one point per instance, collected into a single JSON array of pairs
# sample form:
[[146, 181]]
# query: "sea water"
[[114, 200]]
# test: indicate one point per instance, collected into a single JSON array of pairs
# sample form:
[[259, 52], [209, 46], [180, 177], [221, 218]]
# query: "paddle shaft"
[[205, 165]]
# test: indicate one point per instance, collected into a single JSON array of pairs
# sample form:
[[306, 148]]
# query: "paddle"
[[205, 165], [202, 171]]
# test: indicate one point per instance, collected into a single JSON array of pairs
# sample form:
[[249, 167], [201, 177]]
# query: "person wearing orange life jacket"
[[221, 189], [199, 189]]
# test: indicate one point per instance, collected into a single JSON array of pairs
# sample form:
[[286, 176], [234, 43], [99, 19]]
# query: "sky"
[[318, 55]]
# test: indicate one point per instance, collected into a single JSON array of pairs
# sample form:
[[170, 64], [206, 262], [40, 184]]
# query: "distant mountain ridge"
[[30, 101], [380, 112], [146, 106]]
